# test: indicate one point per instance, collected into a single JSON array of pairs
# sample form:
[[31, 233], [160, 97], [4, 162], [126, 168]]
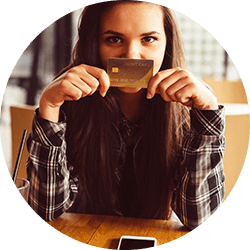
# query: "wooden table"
[[105, 231]]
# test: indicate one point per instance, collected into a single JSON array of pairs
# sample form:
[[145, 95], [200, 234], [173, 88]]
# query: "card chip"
[[115, 70]]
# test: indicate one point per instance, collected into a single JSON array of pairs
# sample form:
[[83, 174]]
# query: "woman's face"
[[133, 30]]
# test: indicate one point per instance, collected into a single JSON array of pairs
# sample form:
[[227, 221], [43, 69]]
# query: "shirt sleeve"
[[52, 189], [200, 184]]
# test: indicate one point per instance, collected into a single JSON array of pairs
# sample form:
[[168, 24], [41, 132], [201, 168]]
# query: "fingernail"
[[149, 95], [103, 94]]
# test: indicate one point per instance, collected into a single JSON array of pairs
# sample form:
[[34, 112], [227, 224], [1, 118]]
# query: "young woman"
[[127, 151]]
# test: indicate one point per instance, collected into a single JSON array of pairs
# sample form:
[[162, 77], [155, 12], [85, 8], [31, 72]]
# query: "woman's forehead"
[[135, 16]]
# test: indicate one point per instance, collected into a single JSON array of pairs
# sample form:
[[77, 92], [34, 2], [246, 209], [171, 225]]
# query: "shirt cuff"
[[208, 122], [48, 132]]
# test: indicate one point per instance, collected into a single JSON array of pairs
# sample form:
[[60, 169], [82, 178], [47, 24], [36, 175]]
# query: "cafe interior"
[[50, 51]]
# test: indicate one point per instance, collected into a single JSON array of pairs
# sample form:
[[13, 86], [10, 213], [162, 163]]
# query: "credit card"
[[134, 73]]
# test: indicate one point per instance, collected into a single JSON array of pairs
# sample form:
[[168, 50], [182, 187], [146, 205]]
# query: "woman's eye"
[[114, 39], [149, 39]]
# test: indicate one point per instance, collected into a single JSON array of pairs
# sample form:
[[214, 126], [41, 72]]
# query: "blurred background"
[[50, 51]]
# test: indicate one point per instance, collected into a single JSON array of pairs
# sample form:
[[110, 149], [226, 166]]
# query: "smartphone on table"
[[136, 242]]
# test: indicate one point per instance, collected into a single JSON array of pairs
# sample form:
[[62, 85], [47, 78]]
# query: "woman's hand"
[[74, 84], [179, 85]]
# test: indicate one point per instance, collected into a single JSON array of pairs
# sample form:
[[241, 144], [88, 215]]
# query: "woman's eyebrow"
[[112, 32], [150, 33], [120, 34]]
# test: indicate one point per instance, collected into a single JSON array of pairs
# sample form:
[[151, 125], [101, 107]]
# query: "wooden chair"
[[21, 118], [237, 141], [227, 91], [237, 127]]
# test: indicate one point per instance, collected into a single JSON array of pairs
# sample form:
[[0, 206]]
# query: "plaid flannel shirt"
[[198, 189]]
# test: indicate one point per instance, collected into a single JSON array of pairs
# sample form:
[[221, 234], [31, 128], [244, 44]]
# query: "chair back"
[[21, 119], [227, 91]]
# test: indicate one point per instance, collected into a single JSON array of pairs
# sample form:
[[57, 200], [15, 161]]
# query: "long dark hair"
[[90, 136]]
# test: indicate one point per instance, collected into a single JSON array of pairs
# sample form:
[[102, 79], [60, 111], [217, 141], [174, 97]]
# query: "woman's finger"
[[102, 77], [160, 78], [77, 81]]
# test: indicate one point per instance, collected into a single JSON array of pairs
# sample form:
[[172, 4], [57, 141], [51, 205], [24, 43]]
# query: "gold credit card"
[[134, 73]]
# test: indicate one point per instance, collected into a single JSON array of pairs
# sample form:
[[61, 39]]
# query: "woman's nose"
[[132, 50]]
